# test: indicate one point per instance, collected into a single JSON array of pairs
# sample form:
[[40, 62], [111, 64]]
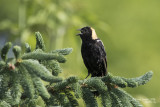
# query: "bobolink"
[[93, 52]]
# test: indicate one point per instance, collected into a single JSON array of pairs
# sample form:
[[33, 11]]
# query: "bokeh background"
[[129, 29]]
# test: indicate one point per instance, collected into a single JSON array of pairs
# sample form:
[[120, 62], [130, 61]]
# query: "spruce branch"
[[30, 103], [65, 87], [40, 87], [52, 101], [38, 69], [4, 104], [116, 102], [27, 48], [21, 81], [4, 83], [2, 65], [73, 101], [135, 82], [64, 51], [65, 83], [96, 84], [26, 82], [123, 98], [16, 92], [62, 99], [17, 51], [116, 80], [44, 56], [5, 50], [29, 73], [132, 100], [76, 87], [105, 99], [125, 82], [52, 65], [39, 41], [89, 98]]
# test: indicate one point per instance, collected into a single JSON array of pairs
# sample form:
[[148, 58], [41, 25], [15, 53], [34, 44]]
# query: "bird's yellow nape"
[[94, 35]]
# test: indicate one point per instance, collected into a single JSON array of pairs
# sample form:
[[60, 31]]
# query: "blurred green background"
[[129, 29]]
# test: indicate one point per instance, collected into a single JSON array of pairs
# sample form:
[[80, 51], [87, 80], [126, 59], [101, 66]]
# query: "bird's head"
[[87, 33]]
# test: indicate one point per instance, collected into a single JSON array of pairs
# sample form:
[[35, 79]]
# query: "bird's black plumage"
[[93, 52]]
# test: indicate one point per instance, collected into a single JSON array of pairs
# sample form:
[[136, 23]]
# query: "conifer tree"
[[22, 81]]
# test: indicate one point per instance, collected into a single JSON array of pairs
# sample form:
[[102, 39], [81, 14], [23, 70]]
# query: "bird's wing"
[[103, 56]]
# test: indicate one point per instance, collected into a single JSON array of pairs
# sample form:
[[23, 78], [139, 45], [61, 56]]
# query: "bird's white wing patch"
[[100, 41]]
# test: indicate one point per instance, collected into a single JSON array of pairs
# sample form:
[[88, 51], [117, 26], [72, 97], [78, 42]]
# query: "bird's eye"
[[83, 31]]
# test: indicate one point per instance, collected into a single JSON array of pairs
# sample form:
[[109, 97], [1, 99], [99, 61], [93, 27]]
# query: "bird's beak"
[[79, 33]]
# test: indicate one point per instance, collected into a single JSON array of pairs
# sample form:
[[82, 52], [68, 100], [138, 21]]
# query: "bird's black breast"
[[94, 55]]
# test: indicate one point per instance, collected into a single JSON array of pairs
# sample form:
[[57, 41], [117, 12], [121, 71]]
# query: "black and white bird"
[[93, 52]]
